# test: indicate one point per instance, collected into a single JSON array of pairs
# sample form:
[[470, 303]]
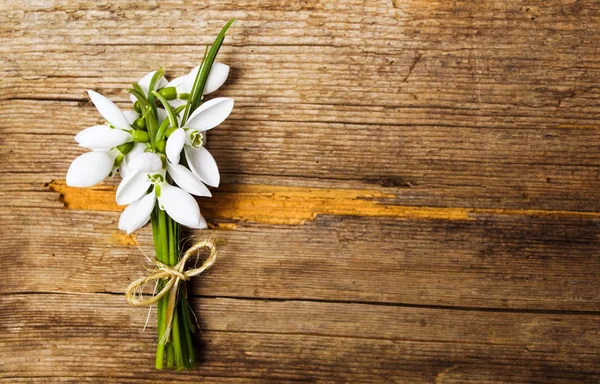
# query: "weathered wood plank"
[[433, 166], [415, 107], [482, 112], [309, 342], [499, 261]]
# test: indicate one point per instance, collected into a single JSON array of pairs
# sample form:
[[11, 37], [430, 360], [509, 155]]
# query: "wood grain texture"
[[410, 192], [314, 342]]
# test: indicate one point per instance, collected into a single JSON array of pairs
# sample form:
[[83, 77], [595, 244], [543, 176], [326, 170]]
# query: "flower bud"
[[140, 123], [140, 136], [183, 96], [169, 93], [137, 107], [125, 148], [161, 145]]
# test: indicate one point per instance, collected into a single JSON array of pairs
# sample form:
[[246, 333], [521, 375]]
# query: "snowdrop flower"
[[147, 167], [144, 185], [191, 139], [90, 168], [105, 137], [183, 84], [93, 167]]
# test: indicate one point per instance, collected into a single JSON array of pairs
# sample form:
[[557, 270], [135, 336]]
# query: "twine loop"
[[174, 275]]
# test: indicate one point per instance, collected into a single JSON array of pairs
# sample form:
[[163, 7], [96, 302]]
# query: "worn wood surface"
[[410, 192]]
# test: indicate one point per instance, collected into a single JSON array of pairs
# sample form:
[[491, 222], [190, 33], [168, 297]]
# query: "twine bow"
[[174, 275]]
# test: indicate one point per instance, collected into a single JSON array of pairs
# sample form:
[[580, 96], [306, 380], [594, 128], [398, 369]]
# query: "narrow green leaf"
[[147, 112], [139, 89], [140, 98], [200, 81], [155, 78], [168, 108], [162, 129], [179, 109]]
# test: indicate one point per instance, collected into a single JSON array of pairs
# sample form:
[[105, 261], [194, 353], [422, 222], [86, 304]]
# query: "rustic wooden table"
[[410, 192]]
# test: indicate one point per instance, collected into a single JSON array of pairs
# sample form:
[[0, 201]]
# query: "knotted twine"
[[174, 275]]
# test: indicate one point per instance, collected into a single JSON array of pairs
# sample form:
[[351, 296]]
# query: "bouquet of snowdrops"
[[158, 150]]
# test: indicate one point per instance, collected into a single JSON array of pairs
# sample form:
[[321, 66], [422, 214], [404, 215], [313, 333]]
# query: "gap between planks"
[[348, 302]]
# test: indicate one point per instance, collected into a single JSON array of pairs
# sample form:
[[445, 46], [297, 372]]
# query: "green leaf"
[[155, 78], [170, 113], [147, 112], [162, 129], [202, 76]]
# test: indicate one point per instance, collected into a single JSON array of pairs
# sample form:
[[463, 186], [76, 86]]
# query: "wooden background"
[[410, 192]]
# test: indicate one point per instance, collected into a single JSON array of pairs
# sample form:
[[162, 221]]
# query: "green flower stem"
[[162, 129], [178, 351], [175, 345], [167, 106], [157, 75], [164, 258], [170, 356], [160, 315], [177, 342], [188, 330]]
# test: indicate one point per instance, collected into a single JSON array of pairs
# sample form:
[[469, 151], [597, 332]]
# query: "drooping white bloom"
[[102, 138], [91, 168], [105, 137], [190, 138], [148, 168], [144, 184]]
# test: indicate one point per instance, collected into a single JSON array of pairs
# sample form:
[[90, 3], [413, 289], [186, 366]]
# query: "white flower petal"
[[203, 165], [182, 84], [217, 76], [186, 180], [109, 110], [162, 114], [201, 224], [138, 148], [180, 205], [175, 143], [123, 170], [132, 187], [131, 116], [145, 162], [128, 214], [90, 169], [145, 82], [102, 137], [137, 214], [210, 114], [176, 103]]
